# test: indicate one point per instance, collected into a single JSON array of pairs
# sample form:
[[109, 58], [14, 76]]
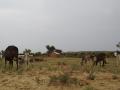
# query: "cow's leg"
[[17, 62], [104, 62], [100, 63], [5, 63], [85, 61], [96, 62], [27, 62], [10, 64], [82, 62]]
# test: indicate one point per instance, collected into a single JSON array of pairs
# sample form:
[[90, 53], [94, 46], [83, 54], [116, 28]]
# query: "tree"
[[118, 45], [50, 48], [38, 54], [27, 51]]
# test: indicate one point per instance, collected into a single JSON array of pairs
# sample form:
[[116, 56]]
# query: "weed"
[[64, 79], [20, 71], [88, 88], [75, 67]]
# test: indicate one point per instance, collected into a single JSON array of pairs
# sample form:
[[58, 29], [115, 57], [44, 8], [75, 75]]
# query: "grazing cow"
[[11, 54], [28, 58], [101, 57], [21, 61], [117, 55], [86, 58]]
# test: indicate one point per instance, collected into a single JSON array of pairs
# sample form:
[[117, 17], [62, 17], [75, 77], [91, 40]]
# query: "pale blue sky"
[[70, 25]]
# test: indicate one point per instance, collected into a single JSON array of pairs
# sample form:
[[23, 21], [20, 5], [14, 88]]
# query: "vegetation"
[[89, 88], [80, 54], [27, 51], [63, 79], [118, 45], [61, 72]]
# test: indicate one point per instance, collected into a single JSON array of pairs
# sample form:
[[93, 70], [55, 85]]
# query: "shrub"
[[91, 77], [64, 79]]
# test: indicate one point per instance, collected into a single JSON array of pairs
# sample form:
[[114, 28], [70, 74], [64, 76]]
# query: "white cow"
[[117, 55], [26, 57]]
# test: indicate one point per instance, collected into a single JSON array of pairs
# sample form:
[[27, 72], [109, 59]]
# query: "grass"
[[73, 63], [88, 88], [63, 79], [58, 71], [115, 77]]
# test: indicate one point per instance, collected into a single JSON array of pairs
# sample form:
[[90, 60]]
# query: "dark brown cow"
[[10, 54], [101, 57]]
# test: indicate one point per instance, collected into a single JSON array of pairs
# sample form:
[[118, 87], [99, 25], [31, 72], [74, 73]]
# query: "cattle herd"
[[98, 58], [11, 54]]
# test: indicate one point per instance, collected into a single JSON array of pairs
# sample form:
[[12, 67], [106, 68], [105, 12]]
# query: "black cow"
[[101, 57], [11, 54]]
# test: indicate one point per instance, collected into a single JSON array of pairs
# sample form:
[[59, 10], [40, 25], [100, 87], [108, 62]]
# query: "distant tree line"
[[52, 48], [80, 54]]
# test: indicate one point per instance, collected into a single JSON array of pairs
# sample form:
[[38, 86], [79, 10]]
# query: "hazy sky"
[[70, 25]]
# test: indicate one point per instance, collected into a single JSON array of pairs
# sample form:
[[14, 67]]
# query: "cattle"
[[11, 54], [21, 61], [117, 56], [28, 58], [86, 58], [24, 59], [100, 58]]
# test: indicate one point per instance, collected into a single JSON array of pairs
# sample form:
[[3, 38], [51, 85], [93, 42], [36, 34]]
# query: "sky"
[[70, 25]]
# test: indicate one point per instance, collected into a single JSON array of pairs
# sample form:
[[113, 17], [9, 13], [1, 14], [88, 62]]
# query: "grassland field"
[[61, 74]]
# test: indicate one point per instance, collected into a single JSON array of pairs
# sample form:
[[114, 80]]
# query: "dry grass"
[[66, 73]]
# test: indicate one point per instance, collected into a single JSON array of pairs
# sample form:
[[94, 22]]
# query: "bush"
[[64, 79], [91, 77]]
